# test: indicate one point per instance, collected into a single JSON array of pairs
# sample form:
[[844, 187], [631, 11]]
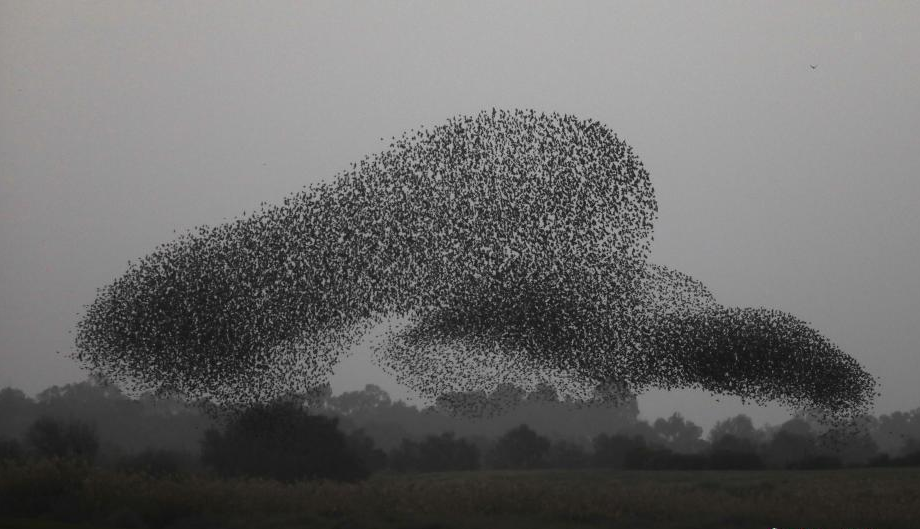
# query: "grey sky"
[[778, 185]]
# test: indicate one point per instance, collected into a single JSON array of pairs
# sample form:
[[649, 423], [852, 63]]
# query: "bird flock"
[[504, 247]]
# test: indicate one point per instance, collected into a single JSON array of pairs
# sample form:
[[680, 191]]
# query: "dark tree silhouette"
[[787, 449], [53, 438], [10, 449], [729, 452], [678, 434], [739, 426], [614, 451], [565, 454], [520, 448], [283, 441]]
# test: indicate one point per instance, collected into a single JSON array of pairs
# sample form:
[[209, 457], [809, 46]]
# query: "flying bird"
[[511, 246], [813, 66]]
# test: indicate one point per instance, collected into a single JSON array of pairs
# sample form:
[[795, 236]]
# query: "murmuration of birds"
[[504, 247]]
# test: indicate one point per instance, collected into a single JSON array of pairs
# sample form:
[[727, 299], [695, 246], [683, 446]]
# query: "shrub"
[[563, 454], [520, 448], [53, 438], [10, 450], [787, 448], [282, 441], [362, 446], [615, 451], [730, 452]]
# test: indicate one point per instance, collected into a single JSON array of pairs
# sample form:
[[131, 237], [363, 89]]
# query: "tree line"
[[355, 434]]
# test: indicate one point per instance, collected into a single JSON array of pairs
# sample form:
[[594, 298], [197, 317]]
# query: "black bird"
[[513, 245], [813, 66]]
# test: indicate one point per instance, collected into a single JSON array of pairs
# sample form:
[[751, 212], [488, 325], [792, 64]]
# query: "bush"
[[53, 438], [730, 452], [729, 460], [10, 450], [520, 448], [618, 451], [441, 453], [32, 487], [362, 446], [282, 441], [788, 448], [563, 454]]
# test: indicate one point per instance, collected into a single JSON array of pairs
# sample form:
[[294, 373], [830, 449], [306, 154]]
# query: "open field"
[[58, 495]]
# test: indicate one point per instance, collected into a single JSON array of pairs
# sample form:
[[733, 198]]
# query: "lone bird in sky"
[[813, 66]]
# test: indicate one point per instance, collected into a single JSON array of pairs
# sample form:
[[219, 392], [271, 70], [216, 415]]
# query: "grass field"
[[55, 496]]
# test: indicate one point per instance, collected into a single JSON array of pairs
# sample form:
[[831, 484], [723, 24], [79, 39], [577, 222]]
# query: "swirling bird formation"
[[510, 246]]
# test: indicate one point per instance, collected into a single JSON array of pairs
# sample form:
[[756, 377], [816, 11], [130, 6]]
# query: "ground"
[[849, 498]]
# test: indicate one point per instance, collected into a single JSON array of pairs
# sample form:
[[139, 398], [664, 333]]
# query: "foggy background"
[[778, 184]]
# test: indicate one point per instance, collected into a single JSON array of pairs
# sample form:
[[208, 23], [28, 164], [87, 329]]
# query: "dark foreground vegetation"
[[85, 455], [58, 494]]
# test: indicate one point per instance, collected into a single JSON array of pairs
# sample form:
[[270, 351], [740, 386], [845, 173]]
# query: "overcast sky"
[[778, 184]]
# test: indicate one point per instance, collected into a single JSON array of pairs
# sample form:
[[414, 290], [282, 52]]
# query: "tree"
[[371, 398], [614, 451], [543, 392], [506, 396], [53, 438], [10, 449], [894, 432], [520, 448], [282, 441], [465, 404], [17, 412], [565, 454], [362, 446], [739, 426], [679, 434], [788, 448], [734, 453]]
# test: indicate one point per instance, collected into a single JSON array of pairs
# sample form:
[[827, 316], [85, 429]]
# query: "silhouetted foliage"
[[787, 449], [678, 434], [729, 452], [53, 438], [894, 432], [150, 435], [616, 451], [739, 426], [910, 456], [436, 453], [564, 454], [17, 412], [520, 448], [282, 441], [123, 424], [362, 446], [10, 449], [388, 422], [852, 447]]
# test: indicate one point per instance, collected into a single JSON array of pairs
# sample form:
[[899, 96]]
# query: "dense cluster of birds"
[[509, 246]]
